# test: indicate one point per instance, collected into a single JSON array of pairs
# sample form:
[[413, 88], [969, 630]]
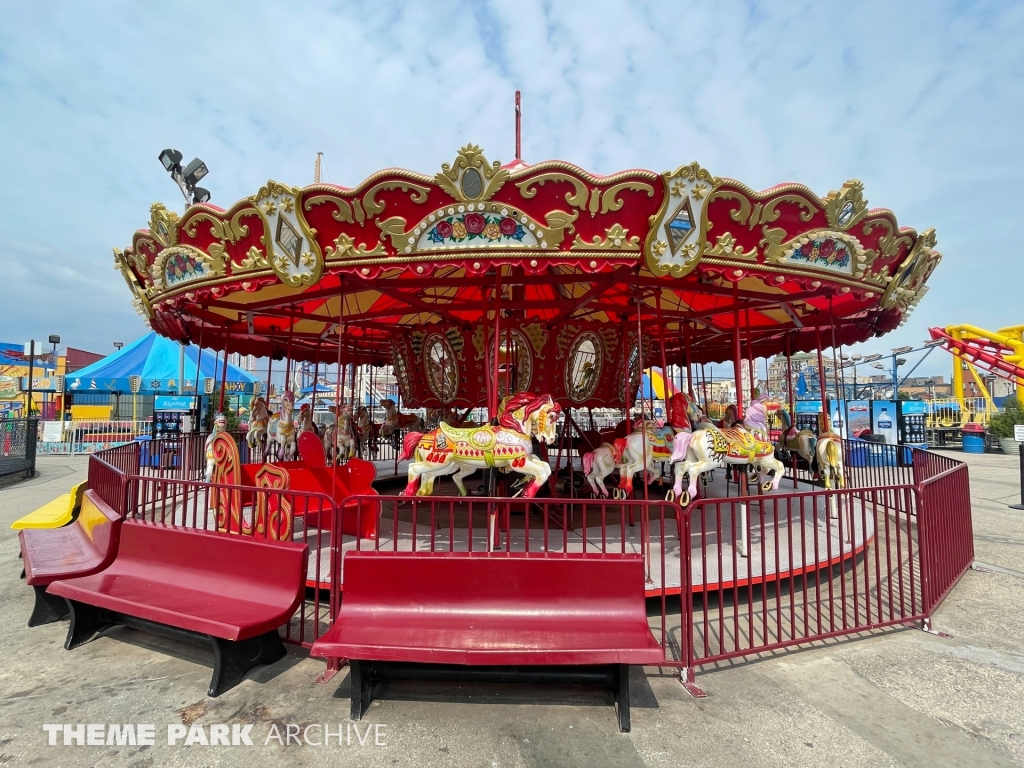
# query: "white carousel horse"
[[463, 451], [627, 453], [282, 429], [710, 449], [220, 424], [829, 453], [339, 438], [259, 421], [395, 420]]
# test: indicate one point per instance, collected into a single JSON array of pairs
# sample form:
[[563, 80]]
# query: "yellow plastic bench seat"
[[57, 513]]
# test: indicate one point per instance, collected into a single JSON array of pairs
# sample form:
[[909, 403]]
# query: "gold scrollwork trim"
[[493, 176], [231, 230], [163, 224], [344, 212], [344, 248], [372, 206], [616, 239], [577, 198], [610, 200], [725, 245]]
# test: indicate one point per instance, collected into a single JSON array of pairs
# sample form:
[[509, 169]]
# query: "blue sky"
[[922, 101]]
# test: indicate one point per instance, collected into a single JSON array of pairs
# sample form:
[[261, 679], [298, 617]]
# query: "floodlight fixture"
[[194, 172], [856, 358], [201, 195], [879, 366], [896, 351], [900, 360], [934, 342], [170, 158], [118, 345], [872, 358]]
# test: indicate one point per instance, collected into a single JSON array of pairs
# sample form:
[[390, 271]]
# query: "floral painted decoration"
[[476, 226], [181, 268], [828, 253]]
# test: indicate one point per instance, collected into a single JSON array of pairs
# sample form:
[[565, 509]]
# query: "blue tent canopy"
[[156, 360]]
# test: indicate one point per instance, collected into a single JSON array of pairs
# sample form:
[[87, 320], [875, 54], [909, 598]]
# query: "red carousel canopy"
[[403, 257]]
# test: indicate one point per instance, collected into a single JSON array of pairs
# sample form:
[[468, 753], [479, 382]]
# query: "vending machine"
[[837, 417], [807, 415], [884, 415], [858, 417], [911, 423]]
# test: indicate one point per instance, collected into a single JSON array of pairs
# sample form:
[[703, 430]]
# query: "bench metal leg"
[[86, 622], [362, 688], [232, 659], [622, 696], [48, 608]]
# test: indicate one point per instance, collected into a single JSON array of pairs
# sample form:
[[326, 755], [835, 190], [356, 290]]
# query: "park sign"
[[1018, 433], [174, 403]]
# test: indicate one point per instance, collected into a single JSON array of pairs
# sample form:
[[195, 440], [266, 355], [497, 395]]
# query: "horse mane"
[[511, 404]]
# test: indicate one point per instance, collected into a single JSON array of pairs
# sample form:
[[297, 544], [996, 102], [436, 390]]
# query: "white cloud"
[[919, 100]]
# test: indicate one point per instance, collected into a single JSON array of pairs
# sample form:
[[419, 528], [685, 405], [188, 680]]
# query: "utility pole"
[[31, 363]]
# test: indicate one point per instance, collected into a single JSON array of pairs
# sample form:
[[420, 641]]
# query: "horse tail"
[[619, 448], [412, 439], [832, 453], [588, 462]]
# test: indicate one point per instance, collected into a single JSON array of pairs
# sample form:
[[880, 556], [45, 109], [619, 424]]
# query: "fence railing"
[[730, 576], [17, 449], [788, 569], [78, 437]]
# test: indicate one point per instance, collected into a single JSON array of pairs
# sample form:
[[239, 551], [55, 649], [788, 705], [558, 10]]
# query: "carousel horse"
[[507, 445], [367, 431], [829, 453], [339, 438], [282, 429], [606, 458], [395, 420], [305, 421], [259, 421], [710, 449], [802, 442], [220, 424]]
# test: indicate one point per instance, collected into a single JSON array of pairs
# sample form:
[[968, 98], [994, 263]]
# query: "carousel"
[[538, 295]]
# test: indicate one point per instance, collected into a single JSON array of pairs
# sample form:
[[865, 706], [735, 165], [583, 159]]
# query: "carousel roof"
[[282, 271]]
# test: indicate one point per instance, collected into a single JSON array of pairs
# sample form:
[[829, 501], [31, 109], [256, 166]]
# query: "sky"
[[922, 101]]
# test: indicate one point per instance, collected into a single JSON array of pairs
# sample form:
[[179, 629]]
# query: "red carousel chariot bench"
[[488, 615], [230, 591], [355, 478], [85, 546]]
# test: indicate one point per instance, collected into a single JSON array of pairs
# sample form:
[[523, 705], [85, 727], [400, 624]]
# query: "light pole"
[[55, 340], [31, 347], [186, 178]]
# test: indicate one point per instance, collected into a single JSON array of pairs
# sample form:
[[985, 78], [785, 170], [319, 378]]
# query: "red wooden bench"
[[565, 617], [228, 590], [83, 547]]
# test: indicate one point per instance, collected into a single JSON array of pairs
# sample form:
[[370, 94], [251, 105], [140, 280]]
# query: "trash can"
[[144, 460], [973, 437], [858, 456]]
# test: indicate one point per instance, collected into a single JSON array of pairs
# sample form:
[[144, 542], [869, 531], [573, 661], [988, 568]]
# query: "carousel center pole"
[[821, 380], [737, 351], [223, 378]]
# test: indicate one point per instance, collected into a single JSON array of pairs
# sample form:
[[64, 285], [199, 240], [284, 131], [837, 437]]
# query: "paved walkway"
[[903, 698]]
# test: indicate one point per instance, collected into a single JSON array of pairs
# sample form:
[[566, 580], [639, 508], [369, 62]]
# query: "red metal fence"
[[730, 577]]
